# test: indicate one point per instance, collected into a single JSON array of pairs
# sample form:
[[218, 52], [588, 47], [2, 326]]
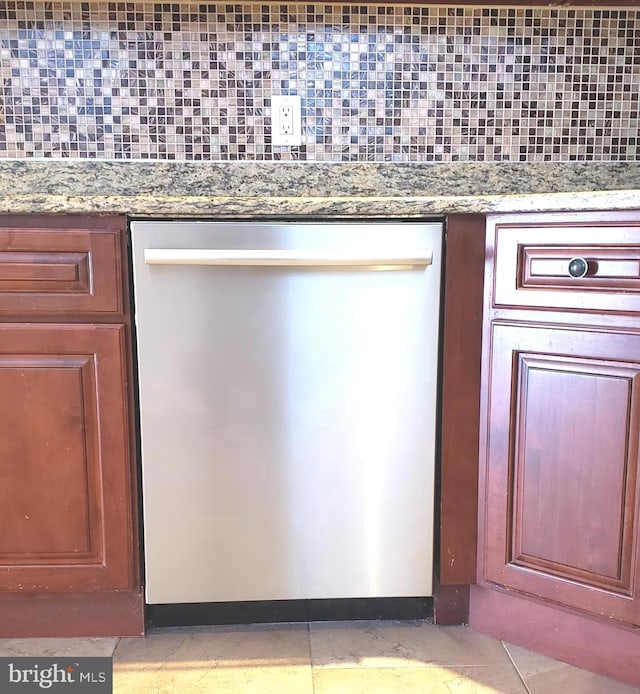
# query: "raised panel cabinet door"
[[561, 496], [65, 520]]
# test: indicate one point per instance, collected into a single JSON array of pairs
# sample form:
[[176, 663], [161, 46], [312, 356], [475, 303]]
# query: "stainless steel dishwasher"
[[287, 377]]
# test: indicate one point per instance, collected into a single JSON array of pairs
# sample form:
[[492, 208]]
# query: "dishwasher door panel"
[[287, 413]]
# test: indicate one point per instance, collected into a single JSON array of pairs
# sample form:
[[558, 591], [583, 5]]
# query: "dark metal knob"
[[578, 267]]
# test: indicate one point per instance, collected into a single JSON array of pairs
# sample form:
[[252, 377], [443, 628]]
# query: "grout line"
[[513, 662], [313, 684]]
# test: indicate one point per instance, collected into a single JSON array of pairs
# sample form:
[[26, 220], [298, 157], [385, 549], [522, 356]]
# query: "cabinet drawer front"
[[71, 271], [584, 265]]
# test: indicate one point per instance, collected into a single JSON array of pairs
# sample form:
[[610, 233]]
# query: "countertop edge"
[[334, 206], [307, 189]]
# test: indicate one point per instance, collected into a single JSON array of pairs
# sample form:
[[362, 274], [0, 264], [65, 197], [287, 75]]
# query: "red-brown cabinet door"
[[561, 495], [65, 520]]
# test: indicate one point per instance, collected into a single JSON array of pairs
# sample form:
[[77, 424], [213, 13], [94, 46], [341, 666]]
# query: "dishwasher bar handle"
[[421, 257]]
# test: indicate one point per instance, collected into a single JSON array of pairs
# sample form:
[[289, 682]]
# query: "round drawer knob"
[[578, 267]]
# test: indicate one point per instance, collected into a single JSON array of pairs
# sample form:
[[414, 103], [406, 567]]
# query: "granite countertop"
[[308, 189]]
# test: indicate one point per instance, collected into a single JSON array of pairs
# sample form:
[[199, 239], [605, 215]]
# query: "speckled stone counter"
[[297, 189]]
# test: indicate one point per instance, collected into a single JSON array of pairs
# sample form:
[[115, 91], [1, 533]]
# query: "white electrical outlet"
[[286, 120]]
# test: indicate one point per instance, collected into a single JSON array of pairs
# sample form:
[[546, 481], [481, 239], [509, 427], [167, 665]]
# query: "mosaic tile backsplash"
[[378, 83]]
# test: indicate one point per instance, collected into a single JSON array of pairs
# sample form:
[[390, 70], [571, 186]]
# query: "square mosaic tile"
[[377, 83]]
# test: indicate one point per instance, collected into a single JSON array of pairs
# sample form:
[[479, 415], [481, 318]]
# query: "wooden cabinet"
[[559, 502], [562, 516], [67, 483], [64, 271], [457, 491]]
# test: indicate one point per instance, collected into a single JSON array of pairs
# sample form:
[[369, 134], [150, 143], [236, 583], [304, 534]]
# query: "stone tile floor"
[[323, 658]]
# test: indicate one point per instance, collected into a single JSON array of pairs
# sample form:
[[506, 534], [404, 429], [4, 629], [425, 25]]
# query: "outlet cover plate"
[[286, 130]]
